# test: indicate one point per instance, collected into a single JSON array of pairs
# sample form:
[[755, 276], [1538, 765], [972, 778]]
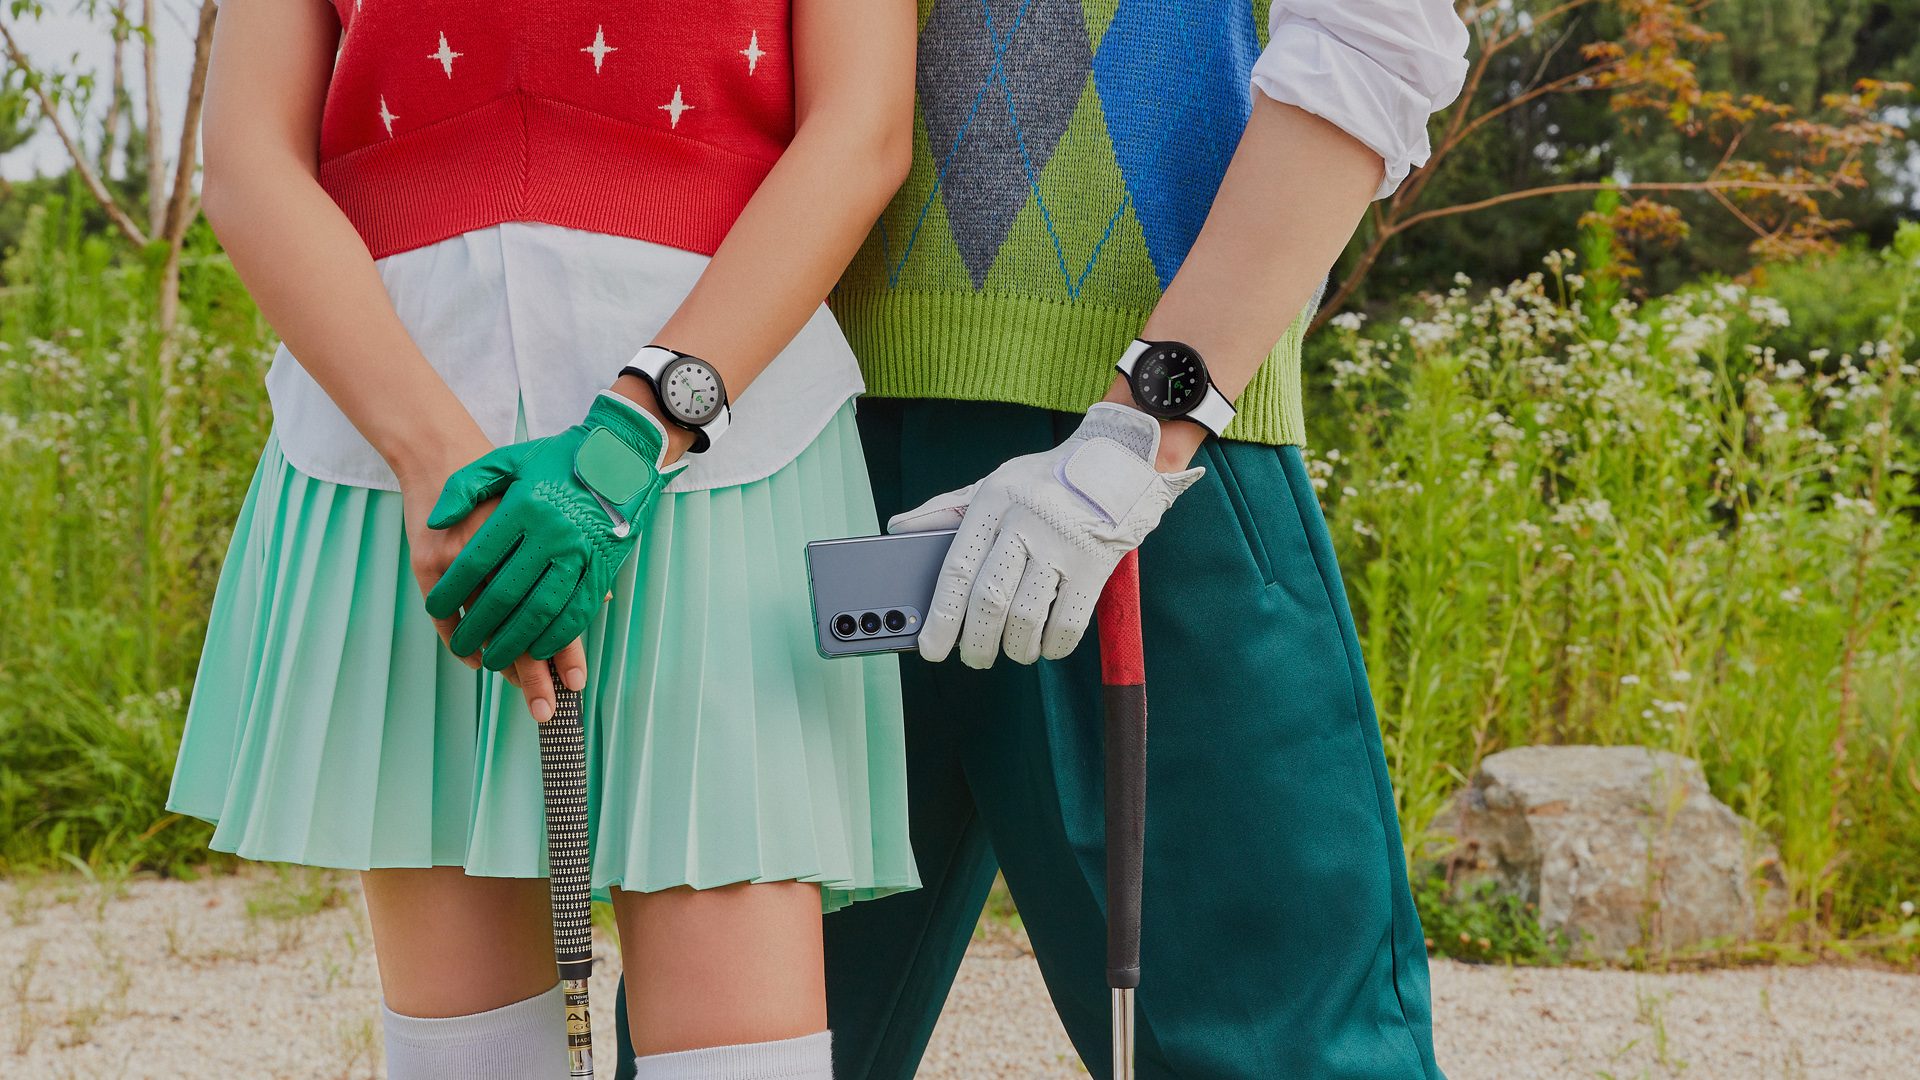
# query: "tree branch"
[[1534, 93], [88, 176], [1534, 24], [180, 210], [1707, 186], [1739, 214], [156, 162]]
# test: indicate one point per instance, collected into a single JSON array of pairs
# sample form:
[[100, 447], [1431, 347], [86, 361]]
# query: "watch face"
[[690, 390], [1169, 380]]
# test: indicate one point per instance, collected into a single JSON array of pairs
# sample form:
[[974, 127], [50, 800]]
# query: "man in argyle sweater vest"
[[1071, 191]]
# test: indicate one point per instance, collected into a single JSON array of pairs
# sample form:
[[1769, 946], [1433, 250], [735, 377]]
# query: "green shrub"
[[1838, 301], [123, 459], [1668, 533], [1482, 926]]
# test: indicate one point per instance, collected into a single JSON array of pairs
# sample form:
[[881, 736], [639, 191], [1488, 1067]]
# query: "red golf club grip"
[[1123, 672]]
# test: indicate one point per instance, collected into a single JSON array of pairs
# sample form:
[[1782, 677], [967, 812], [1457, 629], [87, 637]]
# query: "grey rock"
[[1621, 849]]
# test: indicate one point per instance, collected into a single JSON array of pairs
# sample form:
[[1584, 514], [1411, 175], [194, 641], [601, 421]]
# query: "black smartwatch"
[[689, 389], [1170, 382]]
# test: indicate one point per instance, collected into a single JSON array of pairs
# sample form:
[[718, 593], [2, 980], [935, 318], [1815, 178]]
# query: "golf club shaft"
[[1123, 675], [563, 781]]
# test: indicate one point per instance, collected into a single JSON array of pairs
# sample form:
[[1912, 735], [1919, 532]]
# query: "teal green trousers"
[[1279, 936]]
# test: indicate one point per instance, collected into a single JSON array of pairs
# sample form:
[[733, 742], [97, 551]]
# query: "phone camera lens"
[[870, 623], [844, 625], [896, 622]]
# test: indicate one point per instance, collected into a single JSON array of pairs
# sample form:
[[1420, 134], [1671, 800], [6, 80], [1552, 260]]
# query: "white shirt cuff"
[[1308, 66]]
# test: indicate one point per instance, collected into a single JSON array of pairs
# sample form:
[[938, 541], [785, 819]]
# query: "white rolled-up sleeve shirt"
[[1376, 69]]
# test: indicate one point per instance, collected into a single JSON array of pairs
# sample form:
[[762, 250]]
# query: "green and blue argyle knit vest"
[[1065, 155]]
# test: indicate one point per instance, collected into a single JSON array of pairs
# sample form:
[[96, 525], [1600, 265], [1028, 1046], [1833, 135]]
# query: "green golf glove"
[[572, 507]]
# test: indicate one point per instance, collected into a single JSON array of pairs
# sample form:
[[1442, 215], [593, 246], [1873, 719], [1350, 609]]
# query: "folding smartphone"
[[870, 593]]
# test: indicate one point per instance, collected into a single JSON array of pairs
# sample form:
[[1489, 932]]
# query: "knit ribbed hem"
[[528, 158], [809, 1057], [1050, 354], [521, 1039]]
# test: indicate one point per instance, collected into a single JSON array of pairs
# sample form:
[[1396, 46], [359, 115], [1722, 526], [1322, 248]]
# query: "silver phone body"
[[871, 580]]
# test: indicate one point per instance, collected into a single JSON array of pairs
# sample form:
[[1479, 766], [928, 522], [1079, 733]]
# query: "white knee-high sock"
[[809, 1057], [525, 1039]]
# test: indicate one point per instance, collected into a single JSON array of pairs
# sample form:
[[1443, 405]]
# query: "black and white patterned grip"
[[563, 774]]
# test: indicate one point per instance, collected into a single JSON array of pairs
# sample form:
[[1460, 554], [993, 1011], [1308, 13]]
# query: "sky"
[[64, 41]]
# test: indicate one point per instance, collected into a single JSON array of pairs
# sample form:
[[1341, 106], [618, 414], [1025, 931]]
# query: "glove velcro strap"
[[635, 427], [619, 460], [1108, 476], [611, 469]]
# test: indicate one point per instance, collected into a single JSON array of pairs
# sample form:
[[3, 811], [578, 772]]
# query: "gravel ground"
[[271, 976]]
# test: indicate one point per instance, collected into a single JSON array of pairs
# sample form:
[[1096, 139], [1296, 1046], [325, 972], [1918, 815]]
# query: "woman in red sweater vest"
[[597, 237]]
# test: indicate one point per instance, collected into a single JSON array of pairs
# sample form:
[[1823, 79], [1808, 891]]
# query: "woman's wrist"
[[1179, 439], [430, 452]]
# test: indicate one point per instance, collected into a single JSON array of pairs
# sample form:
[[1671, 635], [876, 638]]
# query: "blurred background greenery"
[[1615, 414]]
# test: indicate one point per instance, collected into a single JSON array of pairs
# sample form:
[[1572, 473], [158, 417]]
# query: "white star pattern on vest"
[[675, 107], [445, 56], [599, 48]]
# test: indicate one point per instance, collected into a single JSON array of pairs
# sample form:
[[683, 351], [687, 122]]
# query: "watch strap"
[[715, 427], [1213, 411], [649, 362]]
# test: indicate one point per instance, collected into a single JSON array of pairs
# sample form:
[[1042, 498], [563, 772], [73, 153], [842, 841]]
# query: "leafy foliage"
[[1483, 926], [1566, 521], [123, 463], [1768, 129]]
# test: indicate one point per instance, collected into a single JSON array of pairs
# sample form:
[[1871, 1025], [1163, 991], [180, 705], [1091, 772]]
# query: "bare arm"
[[853, 141], [311, 274], [1275, 229], [307, 269]]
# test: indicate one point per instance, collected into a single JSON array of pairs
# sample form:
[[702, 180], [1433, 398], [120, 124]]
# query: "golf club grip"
[[1123, 673], [563, 777]]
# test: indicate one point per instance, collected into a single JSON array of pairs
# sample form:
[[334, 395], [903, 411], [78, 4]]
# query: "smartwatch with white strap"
[[1170, 381], [689, 389]]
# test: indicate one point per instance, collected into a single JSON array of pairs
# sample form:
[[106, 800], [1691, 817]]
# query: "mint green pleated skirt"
[[329, 726]]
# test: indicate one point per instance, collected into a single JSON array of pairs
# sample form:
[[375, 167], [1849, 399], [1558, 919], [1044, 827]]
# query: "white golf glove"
[[1040, 536]]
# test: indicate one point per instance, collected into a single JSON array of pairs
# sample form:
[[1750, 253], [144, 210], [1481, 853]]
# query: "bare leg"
[[722, 967], [453, 945]]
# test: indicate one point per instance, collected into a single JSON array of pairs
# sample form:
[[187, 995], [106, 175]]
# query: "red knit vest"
[[646, 118]]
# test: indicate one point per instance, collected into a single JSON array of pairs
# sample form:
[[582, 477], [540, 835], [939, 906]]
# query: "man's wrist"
[[1179, 439], [636, 390]]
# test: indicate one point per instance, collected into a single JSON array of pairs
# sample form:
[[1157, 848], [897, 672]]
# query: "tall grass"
[[1568, 518], [122, 460], [1563, 517]]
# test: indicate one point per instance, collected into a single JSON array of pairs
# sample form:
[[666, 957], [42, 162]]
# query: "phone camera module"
[[896, 621], [845, 626], [870, 623]]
